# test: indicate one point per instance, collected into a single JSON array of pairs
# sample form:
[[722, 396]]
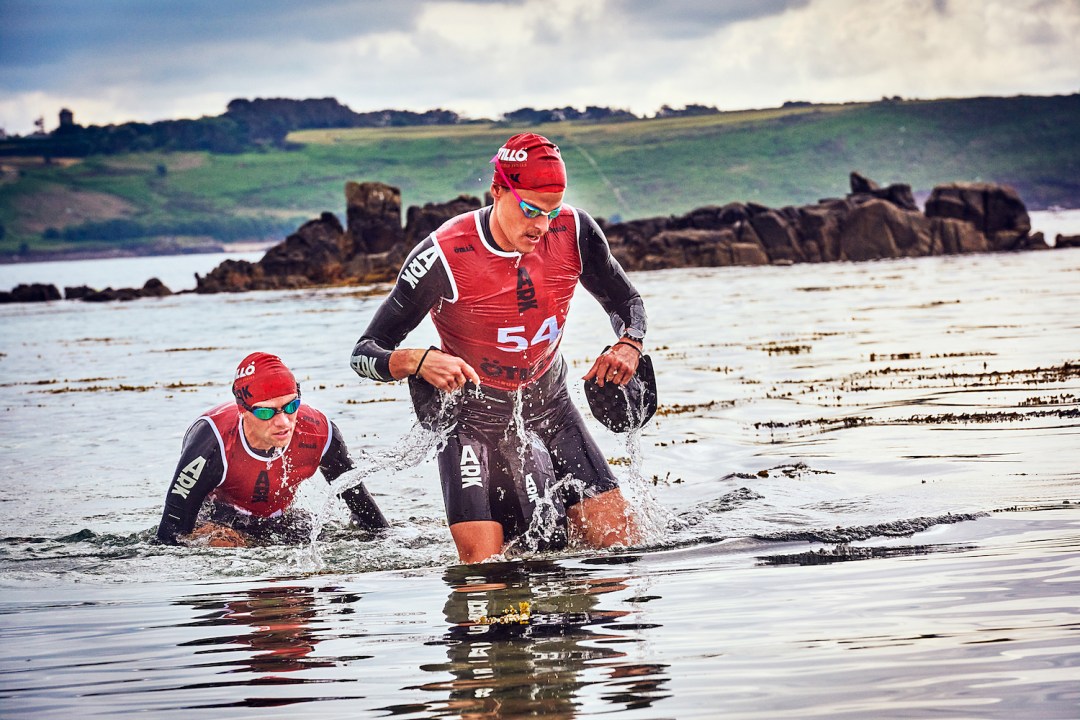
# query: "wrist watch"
[[634, 334]]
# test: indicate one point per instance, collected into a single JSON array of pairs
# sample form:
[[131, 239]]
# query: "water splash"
[[416, 446], [654, 521]]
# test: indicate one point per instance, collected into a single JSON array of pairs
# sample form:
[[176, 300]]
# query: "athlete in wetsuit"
[[497, 282], [250, 467]]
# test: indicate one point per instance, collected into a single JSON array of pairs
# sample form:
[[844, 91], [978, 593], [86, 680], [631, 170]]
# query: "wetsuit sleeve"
[[335, 462], [421, 284], [200, 470], [605, 279]]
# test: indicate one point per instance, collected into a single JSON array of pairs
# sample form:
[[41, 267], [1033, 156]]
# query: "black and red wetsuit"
[[253, 490], [504, 313]]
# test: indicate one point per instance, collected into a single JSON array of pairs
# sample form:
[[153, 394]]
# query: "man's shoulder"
[[463, 225], [312, 414], [312, 420]]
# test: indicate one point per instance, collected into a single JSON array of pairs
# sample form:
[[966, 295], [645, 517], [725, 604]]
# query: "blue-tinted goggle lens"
[[531, 211], [266, 413]]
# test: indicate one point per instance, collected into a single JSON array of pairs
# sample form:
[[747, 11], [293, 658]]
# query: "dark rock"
[[312, 255], [78, 292], [230, 276], [748, 253], [712, 217], [110, 295], [864, 189], [155, 288], [955, 237], [1032, 242], [373, 217], [152, 288], [862, 184], [1067, 241], [778, 236], [35, 292], [689, 248], [878, 229], [422, 221], [995, 210]]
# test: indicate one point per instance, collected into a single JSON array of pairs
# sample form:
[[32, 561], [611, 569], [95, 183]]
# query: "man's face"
[[513, 231], [276, 432]]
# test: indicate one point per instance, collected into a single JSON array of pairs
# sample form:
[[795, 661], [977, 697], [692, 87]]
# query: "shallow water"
[[847, 481]]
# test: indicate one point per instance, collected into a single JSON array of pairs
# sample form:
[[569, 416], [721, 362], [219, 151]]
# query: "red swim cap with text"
[[262, 376], [530, 162]]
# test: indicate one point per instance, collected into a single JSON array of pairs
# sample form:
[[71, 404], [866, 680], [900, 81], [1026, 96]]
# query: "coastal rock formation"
[[996, 211], [152, 288], [42, 293], [35, 292], [370, 249], [78, 292], [373, 216], [870, 223]]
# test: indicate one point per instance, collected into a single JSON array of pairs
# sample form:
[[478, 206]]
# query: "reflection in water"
[[506, 663], [275, 623]]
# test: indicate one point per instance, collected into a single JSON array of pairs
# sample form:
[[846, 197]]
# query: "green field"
[[619, 171]]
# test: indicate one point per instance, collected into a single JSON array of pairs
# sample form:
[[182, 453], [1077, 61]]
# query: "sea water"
[[862, 481]]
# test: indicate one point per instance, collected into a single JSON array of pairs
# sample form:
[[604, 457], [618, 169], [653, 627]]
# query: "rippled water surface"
[[860, 487]]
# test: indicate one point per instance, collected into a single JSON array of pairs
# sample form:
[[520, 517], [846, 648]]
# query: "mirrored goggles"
[[267, 413]]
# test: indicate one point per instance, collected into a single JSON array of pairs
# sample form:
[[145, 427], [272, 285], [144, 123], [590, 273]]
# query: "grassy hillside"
[[619, 171]]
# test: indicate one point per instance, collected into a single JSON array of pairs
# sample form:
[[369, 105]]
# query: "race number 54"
[[514, 339]]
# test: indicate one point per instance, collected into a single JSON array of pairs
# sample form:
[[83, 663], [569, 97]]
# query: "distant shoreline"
[[149, 251]]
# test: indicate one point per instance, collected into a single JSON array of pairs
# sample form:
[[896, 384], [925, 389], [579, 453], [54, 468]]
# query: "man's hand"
[[617, 364], [445, 371], [213, 535]]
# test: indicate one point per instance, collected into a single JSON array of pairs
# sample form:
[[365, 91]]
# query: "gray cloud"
[[121, 60], [695, 18], [38, 37]]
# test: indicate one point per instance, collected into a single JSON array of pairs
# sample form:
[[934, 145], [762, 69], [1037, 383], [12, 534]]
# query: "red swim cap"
[[260, 377], [530, 162]]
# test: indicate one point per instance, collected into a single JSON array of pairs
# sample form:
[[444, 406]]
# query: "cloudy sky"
[[114, 61]]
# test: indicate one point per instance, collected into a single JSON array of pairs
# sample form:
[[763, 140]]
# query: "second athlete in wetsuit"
[[248, 469]]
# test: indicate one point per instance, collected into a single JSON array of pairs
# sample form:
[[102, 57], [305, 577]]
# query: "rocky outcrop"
[[373, 215], [371, 248], [78, 292], [152, 288], [870, 223], [996, 211], [35, 292]]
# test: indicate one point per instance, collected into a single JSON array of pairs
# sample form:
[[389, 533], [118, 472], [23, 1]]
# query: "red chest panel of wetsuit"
[[509, 309], [266, 486]]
